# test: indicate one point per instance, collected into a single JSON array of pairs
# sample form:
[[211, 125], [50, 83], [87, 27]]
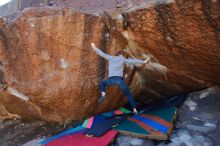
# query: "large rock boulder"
[[183, 38], [46, 56]]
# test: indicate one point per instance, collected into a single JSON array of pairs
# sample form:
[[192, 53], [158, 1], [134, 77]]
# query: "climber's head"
[[119, 53]]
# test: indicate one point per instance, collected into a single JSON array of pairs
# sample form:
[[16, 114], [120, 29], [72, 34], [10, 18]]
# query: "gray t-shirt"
[[116, 63]]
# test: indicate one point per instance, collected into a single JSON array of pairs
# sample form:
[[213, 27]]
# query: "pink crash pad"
[[83, 140]]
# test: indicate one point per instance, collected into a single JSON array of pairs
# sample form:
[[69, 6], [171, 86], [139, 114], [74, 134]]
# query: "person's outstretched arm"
[[136, 61], [102, 54]]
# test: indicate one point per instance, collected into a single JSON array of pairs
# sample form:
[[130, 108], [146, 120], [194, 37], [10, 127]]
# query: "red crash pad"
[[83, 140]]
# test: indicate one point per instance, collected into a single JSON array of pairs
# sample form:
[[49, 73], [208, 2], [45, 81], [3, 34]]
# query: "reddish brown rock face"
[[46, 56], [183, 37]]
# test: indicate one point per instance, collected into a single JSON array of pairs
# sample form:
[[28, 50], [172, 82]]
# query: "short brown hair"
[[117, 53]]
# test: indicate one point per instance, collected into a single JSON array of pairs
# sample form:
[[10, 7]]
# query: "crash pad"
[[94, 120], [119, 111], [83, 140], [102, 128], [78, 129], [88, 123], [154, 124]]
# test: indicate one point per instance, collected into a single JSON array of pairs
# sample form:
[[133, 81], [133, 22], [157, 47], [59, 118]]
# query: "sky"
[[2, 2]]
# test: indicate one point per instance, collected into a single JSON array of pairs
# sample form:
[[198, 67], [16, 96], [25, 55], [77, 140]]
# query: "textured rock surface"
[[10, 8], [46, 54], [183, 37], [198, 124], [49, 59], [79, 5]]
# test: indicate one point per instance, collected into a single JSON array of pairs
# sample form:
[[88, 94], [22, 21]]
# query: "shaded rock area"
[[18, 132], [198, 124], [46, 55]]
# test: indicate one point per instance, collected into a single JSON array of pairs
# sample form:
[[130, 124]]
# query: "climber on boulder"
[[115, 75]]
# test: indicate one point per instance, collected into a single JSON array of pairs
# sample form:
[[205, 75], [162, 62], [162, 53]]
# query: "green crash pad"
[[156, 124]]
